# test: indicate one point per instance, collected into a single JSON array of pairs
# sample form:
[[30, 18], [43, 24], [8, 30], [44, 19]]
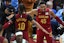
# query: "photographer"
[[9, 16]]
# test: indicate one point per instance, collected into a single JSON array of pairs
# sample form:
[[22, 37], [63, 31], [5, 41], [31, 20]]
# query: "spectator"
[[15, 3], [5, 18], [59, 13], [2, 39], [50, 5], [5, 4], [19, 38], [62, 34]]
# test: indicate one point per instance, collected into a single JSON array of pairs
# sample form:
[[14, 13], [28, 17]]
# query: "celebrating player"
[[22, 22], [43, 18]]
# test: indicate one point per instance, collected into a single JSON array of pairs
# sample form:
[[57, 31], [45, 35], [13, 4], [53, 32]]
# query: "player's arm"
[[7, 24], [57, 18], [32, 12], [38, 25], [5, 41], [9, 17]]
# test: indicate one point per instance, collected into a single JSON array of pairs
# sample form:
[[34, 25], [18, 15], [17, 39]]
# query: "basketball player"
[[43, 18]]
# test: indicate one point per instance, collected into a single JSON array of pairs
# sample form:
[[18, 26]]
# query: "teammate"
[[22, 20], [43, 18]]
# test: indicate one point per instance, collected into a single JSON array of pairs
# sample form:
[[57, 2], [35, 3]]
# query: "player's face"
[[7, 3], [19, 38], [42, 7], [6, 11]]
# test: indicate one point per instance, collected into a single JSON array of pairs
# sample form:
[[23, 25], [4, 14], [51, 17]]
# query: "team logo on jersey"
[[46, 13]]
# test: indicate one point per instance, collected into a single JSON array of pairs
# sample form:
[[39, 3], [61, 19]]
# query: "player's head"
[[21, 9], [9, 10], [7, 2], [42, 6], [19, 36]]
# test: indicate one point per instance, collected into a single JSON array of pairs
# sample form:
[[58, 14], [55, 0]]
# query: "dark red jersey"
[[44, 19], [22, 21], [1, 39]]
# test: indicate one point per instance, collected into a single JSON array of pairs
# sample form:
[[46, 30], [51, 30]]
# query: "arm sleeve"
[[6, 25], [29, 18], [60, 21]]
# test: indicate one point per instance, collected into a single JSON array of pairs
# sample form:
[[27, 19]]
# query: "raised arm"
[[57, 18], [32, 12]]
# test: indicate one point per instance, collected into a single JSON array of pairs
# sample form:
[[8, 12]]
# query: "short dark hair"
[[43, 2], [0, 27]]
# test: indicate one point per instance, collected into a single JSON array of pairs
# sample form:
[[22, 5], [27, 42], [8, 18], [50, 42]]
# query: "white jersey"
[[62, 37], [23, 41]]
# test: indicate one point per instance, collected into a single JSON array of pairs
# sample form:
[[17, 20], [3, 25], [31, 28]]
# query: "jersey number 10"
[[21, 26]]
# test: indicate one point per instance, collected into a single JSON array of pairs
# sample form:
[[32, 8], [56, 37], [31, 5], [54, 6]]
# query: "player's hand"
[[50, 34]]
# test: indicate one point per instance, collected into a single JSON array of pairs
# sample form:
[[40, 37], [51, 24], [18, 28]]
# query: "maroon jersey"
[[1, 39], [44, 19], [22, 21]]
